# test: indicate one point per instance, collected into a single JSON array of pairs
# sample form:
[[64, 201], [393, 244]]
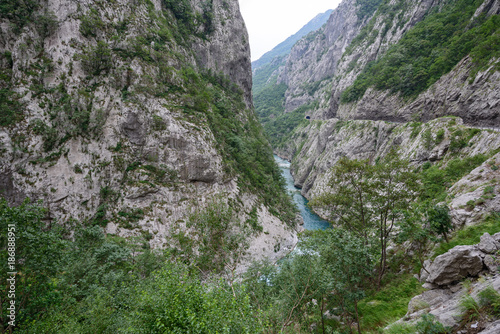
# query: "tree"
[[348, 201], [414, 229], [440, 221], [214, 240], [346, 266], [369, 200], [38, 257]]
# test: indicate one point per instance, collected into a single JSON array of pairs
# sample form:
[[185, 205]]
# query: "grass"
[[400, 329], [390, 303], [471, 235]]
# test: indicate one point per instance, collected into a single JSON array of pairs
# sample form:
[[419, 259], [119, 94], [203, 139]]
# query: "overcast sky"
[[270, 22]]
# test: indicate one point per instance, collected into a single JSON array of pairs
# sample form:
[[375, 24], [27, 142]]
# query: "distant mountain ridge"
[[284, 47]]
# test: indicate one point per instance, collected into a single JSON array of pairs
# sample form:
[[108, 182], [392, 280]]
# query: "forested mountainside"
[[407, 63]]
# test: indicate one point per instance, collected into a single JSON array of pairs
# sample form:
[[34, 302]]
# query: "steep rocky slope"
[[132, 114], [368, 63], [315, 148], [340, 84]]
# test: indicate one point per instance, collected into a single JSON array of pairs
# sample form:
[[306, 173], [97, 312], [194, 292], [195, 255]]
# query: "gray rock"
[[132, 128], [141, 146], [496, 236], [492, 328], [488, 244], [491, 263], [430, 286], [427, 299], [424, 272], [457, 263], [8, 190]]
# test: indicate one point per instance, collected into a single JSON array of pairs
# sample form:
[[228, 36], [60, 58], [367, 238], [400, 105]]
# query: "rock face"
[[445, 303], [228, 51], [476, 102], [113, 106], [284, 47], [476, 195], [317, 146], [488, 245], [456, 264], [320, 68], [461, 262], [315, 57], [444, 297]]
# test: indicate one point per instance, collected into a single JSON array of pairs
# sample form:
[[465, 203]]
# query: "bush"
[[439, 136], [46, 24], [18, 12], [366, 8], [91, 23], [429, 325], [436, 181], [489, 300], [470, 308], [49, 134], [11, 110], [97, 59], [471, 235]]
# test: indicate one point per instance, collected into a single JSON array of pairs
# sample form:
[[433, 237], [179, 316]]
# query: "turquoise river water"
[[311, 220]]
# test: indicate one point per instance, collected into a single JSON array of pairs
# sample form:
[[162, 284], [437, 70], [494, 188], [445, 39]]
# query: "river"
[[311, 220]]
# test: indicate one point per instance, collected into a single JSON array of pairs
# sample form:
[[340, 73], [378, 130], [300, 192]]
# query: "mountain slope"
[[131, 115]]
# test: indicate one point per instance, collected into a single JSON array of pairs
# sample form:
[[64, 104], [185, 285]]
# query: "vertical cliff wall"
[[132, 114]]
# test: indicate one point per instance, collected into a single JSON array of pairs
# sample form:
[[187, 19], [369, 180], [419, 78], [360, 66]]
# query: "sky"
[[270, 22]]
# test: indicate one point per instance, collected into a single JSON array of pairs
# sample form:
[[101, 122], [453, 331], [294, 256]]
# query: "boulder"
[[491, 263], [492, 328], [488, 244], [424, 272], [457, 263]]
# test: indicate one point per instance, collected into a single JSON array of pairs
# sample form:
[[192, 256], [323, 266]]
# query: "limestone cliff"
[[131, 114], [329, 76]]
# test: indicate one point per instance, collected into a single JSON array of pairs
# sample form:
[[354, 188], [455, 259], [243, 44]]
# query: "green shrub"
[[400, 329], [158, 123], [429, 325], [214, 240], [19, 12], [470, 308], [436, 181], [471, 235], [390, 303], [416, 128], [489, 300], [49, 134], [97, 59], [11, 110], [46, 24], [439, 136], [91, 23], [427, 137]]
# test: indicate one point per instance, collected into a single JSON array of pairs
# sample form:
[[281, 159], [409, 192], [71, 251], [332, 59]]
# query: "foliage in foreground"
[[99, 284]]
